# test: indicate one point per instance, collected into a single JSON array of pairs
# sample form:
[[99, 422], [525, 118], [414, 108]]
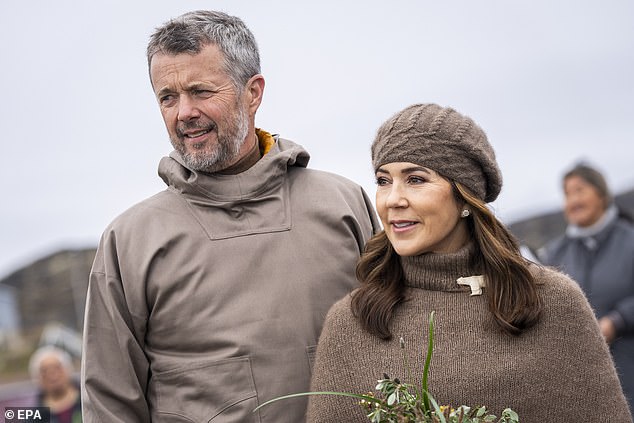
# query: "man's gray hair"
[[192, 31]]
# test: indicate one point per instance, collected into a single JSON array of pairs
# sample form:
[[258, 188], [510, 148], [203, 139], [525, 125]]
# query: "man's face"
[[207, 120]]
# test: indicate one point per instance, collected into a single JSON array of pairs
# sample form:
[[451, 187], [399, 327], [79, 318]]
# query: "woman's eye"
[[381, 181], [416, 180]]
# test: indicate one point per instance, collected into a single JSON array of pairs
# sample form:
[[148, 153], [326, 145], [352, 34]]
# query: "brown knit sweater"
[[558, 371]]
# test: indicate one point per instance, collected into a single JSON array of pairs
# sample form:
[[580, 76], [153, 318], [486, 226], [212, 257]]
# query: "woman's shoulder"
[[341, 310], [553, 280], [341, 328], [556, 286], [341, 322]]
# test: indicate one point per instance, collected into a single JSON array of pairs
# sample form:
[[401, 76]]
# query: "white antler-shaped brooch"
[[476, 283]]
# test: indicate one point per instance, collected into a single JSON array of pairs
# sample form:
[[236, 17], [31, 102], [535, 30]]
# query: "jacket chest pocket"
[[217, 392]]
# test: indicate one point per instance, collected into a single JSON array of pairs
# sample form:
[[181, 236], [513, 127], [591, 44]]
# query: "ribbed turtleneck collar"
[[439, 272]]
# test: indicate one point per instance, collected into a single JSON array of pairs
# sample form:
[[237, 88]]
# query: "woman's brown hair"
[[511, 291]]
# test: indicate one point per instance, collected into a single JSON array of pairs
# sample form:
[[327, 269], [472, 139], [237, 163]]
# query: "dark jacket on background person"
[[70, 415], [603, 265], [559, 370], [208, 298]]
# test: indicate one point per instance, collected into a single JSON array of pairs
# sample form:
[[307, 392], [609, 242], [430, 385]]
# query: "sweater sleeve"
[[115, 370]]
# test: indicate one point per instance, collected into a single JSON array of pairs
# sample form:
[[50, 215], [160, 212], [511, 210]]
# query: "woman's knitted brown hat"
[[443, 140]]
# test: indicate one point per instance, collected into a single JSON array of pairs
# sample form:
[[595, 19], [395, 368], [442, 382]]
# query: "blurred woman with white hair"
[[51, 368]]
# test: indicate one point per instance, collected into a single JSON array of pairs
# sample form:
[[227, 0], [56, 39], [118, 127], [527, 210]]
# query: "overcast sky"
[[549, 81]]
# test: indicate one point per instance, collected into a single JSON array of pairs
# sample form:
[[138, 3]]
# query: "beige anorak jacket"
[[208, 298]]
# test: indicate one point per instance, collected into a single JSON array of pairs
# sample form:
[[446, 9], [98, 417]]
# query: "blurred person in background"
[[597, 251], [52, 368]]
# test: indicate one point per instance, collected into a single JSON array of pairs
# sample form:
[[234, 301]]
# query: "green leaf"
[[430, 349], [392, 398], [439, 414], [304, 394], [481, 411], [510, 416]]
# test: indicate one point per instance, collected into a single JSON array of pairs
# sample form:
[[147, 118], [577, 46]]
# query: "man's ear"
[[255, 90]]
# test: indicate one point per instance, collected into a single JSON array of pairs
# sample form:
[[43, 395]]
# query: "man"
[[208, 298]]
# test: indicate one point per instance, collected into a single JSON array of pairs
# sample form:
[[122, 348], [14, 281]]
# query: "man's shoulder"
[[327, 176], [322, 181], [164, 201], [330, 190], [301, 167]]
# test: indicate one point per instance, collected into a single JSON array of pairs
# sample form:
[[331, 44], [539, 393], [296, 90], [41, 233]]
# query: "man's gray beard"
[[226, 152]]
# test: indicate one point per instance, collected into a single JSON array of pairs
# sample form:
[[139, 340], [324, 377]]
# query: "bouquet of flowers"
[[398, 402]]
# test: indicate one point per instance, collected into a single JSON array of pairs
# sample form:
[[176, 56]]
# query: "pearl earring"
[[465, 213]]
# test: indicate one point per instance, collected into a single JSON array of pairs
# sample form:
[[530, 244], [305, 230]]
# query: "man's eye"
[[202, 93], [166, 99]]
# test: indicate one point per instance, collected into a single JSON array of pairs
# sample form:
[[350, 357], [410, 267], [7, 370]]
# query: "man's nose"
[[187, 109]]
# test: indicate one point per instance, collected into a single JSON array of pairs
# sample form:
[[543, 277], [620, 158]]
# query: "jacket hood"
[[262, 179]]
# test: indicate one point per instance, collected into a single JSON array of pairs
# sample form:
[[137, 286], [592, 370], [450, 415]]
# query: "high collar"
[[439, 272], [251, 158], [592, 237], [607, 220], [261, 179]]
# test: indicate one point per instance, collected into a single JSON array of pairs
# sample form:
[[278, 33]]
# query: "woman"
[[597, 251], [51, 369], [524, 337]]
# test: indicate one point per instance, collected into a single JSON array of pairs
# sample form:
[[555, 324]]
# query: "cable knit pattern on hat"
[[441, 139]]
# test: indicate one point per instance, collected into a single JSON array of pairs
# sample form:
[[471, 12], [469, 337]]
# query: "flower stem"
[[430, 348]]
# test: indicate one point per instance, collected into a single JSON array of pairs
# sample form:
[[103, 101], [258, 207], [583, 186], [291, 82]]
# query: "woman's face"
[[584, 205], [418, 210], [54, 376]]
